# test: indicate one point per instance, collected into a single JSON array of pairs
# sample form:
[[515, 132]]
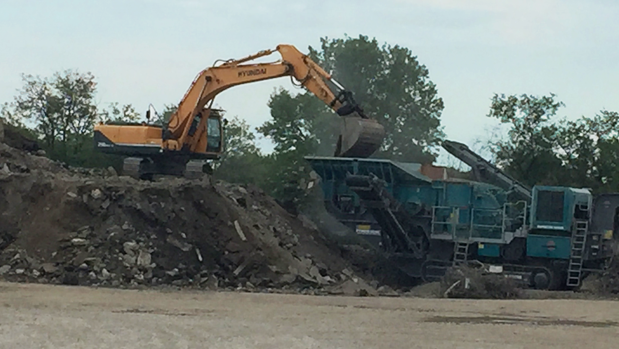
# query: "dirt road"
[[37, 316]]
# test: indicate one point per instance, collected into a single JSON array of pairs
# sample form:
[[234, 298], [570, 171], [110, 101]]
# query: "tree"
[[239, 140], [8, 114], [540, 150], [389, 83], [528, 153], [299, 123], [241, 161], [119, 114], [62, 109], [61, 112]]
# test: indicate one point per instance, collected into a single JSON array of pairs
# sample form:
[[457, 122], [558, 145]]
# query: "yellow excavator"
[[194, 133]]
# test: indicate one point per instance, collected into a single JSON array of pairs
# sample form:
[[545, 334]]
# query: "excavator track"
[[196, 169], [132, 167], [146, 169]]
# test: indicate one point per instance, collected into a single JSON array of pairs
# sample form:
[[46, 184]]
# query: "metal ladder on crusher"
[[579, 238], [461, 252]]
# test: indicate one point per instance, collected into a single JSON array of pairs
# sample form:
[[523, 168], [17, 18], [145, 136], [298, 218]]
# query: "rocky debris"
[[477, 283], [604, 284], [93, 227], [14, 138]]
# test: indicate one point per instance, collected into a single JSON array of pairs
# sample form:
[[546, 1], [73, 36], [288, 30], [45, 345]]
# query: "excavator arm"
[[360, 135]]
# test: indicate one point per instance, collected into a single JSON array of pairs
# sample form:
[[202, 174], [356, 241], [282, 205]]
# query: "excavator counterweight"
[[195, 131]]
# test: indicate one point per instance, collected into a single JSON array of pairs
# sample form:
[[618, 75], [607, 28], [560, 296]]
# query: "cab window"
[[213, 139]]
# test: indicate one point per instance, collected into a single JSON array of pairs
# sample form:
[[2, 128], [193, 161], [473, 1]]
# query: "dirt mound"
[[477, 283], [14, 138], [605, 284], [80, 227]]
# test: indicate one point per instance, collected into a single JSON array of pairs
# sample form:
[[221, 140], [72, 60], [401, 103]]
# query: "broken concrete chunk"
[[315, 273], [239, 269], [186, 247], [96, 194], [129, 259], [130, 247], [172, 272], [4, 269], [288, 278], [49, 268], [239, 231], [144, 259], [233, 247], [79, 242], [347, 272]]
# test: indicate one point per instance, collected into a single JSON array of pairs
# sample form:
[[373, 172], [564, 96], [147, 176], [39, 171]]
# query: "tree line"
[[391, 85]]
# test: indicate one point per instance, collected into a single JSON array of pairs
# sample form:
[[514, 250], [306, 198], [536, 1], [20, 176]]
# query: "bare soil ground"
[[46, 316]]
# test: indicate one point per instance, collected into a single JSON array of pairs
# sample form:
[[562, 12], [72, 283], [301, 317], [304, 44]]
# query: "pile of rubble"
[[476, 283], [62, 226]]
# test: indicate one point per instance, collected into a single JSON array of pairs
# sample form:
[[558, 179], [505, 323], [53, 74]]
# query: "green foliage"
[[8, 115], [278, 174], [286, 177], [241, 161], [119, 114], [528, 153], [239, 140], [61, 111], [61, 108], [298, 122], [546, 151], [163, 117]]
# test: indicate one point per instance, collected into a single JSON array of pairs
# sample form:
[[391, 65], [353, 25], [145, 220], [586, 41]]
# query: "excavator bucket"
[[359, 137]]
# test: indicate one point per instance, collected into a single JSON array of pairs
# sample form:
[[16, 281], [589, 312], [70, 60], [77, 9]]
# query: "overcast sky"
[[149, 51]]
